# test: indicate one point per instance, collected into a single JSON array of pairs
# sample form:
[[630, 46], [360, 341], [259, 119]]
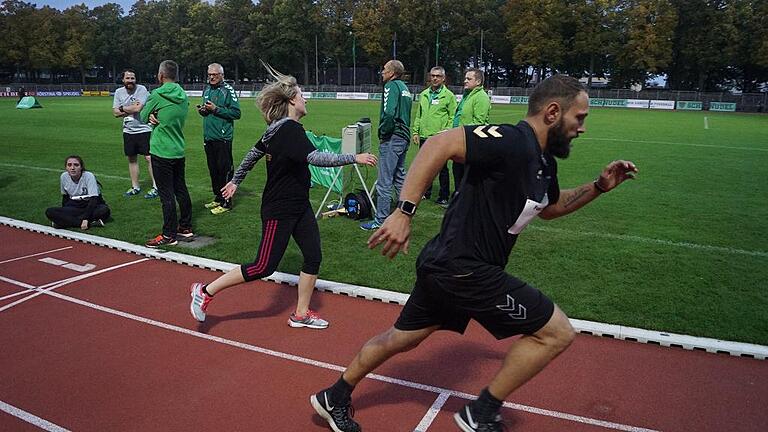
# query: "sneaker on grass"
[[338, 415], [200, 301], [220, 209], [151, 194], [310, 320], [370, 225], [185, 232], [97, 223], [161, 240], [212, 204], [132, 191], [466, 422]]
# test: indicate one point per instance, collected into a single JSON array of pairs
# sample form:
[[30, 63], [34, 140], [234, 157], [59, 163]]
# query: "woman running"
[[285, 208]]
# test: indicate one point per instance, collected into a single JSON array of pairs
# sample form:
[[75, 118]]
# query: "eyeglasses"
[[435, 76], [213, 74]]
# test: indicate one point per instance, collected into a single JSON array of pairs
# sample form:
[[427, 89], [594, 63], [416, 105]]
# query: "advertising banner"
[[374, 96], [519, 100], [662, 104], [352, 96], [638, 103], [324, 95], [501, 99], [690, 105], [615, 103], [722, 106], [58, 93], [194, 93]]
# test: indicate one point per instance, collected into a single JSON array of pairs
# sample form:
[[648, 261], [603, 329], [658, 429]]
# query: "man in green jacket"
[[220, 109], [474, 109], [394, 134], [166, 109], [434, 114]]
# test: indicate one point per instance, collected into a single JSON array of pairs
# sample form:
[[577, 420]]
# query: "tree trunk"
[[237, 72], [338, 71], [591, 70]]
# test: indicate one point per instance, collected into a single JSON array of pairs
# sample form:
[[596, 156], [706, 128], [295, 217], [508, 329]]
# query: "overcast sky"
[[63, 4]]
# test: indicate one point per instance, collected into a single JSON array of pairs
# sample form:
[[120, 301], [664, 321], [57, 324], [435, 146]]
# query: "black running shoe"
[[466, 422], [338, 416]]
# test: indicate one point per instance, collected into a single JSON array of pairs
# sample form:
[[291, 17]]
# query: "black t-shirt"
[[508, 181], [286, 193]]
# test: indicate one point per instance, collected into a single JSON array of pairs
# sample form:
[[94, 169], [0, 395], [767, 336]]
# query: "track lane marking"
[[52, 286], [333, 367], [31, 418], [431, 414], [36, 254], [17, 283]]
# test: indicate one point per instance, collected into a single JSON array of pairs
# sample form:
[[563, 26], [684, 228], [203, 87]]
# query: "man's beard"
[[130, 86], [558, 143]]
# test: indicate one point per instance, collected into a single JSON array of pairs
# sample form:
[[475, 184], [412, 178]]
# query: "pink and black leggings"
[[275, 234]]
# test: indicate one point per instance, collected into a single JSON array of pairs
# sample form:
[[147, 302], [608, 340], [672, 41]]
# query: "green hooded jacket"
[[395, 113], [434, 113], [474, 108], [219, 125], [170, 104]]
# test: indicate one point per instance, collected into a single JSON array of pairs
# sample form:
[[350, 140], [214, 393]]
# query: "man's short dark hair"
[[169, 69], [479, 75], [562, 89], [122, 74]]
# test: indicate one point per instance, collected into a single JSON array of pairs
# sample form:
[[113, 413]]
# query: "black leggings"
[[275, 234], [71, 216]]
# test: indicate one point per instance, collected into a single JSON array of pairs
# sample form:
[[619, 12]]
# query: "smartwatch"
[[407, 207]]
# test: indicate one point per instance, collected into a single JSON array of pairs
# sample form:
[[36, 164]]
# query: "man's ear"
[[552, 112]]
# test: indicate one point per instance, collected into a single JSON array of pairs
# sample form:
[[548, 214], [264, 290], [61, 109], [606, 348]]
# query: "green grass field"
[[681, 249]]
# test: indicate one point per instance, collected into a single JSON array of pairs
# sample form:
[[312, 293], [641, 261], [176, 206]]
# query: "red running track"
[[115, 349]]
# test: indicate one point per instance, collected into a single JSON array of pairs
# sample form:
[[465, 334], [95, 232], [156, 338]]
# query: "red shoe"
[[161, 240]]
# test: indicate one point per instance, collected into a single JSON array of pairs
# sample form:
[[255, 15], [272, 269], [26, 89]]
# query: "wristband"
[[599, 188], [121, 109]]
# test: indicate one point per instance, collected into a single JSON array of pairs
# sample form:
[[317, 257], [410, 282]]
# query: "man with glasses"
[[220, 109], [434, 114]]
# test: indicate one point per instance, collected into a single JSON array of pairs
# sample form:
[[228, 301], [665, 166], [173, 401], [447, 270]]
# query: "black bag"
[[358, 205]]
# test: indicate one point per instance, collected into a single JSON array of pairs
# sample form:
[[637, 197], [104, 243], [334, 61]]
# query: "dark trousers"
[[220, 166], [445, 181], [275, 234], [70, 216], [458, 174], [169, 176]]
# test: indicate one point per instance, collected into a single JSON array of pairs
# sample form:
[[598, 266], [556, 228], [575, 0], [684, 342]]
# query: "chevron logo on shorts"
[[519, 312], [482, 132]]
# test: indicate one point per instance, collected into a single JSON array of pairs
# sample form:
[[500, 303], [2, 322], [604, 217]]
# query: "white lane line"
[[431, 414], [13, 295], [676, 143], [17, 283], [333, 367], [31, 418], [36, 254], [638, 239], [67, 281]]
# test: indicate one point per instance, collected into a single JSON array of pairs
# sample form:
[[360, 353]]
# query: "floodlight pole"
[[354, 65], [481, 48], [317, 73], [437, 47]]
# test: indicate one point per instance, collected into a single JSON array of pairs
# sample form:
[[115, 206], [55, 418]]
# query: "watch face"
[[408, 207]]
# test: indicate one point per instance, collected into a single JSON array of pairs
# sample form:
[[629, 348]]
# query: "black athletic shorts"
[[502, 304], [136, 144]]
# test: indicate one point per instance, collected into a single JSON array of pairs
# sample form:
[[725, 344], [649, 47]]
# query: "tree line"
[[704, 45]]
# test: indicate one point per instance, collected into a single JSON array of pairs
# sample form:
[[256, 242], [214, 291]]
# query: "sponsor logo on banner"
[[690, 105], [722, 106], [324, 95], [355, 96], [615, 103], [8, 94], [638, 103], [662, 104], [58, 93], [501, 99], [519, 100], [194, 93], [595, 102], [307, 95], [374, 96]]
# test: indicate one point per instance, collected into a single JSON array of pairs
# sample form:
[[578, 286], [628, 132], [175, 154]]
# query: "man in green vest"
[[434, 114], [474, 109], [166, 110], [394, 135]]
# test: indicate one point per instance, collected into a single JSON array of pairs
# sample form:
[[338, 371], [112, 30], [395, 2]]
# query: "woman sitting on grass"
[[81, 202], [285, 208]]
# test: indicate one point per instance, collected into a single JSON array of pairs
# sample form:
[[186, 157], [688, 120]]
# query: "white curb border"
[[737, 349]]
